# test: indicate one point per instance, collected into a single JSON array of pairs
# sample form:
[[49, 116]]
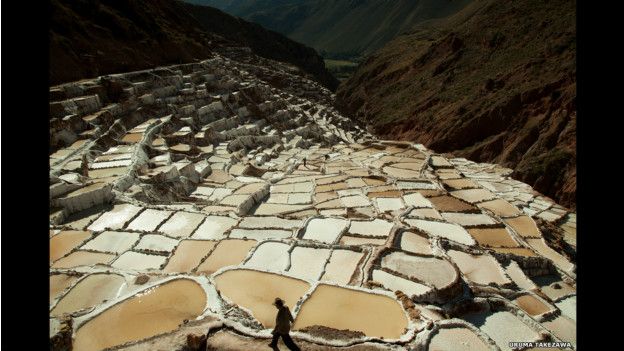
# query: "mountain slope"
[[91, 38], [263, 42], [495, 82], [338, 28]]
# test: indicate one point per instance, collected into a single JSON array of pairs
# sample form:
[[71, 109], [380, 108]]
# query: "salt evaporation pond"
[[256, 291], [308, 262], [446, 230], [481, 269], [270, 256], [438, 272], [227, 253], [451, 339], [341, 308], [341, 266], [90, 291], [154, 311], [188, 255]]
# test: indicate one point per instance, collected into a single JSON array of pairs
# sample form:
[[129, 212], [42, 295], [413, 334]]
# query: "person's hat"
[[278, 302]]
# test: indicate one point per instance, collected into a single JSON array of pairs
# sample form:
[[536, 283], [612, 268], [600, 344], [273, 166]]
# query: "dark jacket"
[[282, 321]]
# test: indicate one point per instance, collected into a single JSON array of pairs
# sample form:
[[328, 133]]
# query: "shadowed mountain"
[[91, 38], [496, 82], [338, 28], [263, 42]]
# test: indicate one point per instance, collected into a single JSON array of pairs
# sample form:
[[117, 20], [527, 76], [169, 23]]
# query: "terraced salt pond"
[[149, 220], [214, 228], [226, 253], [154, 311], [430, 270], [115, 218], [65, 241], [188, 254], [325, 230], [481, 269], [532, 305], [446, 230], [181, 224], [450, 339], [113, 242], [60, 282], [90, 291], [222, 197], [341, 266], [415, 243], [394, 283], [138, 261], [308, 262], [341, 308], [272, 256], [259, 299], [83, 258], [503, 327], [493, 237]]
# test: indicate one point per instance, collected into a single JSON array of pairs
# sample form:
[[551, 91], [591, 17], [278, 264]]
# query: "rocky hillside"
[[263, 42], [91, 38], [338, 28], [495, 82]]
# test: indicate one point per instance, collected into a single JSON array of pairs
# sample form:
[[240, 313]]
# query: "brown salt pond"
[[532, 305], [342, 308], [107, 172], [447, 203], [60, 282], [474, 195], [481, 269], [154, 311], [500, 207], [83, 258], [524, 226], [493, 237], [256, 291], [227, 253], [65, 241], [450, 339], [188, 255], [132, 138], [90, 291]]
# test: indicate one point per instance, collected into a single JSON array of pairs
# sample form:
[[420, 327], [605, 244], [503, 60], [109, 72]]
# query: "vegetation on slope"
[[495, 82]]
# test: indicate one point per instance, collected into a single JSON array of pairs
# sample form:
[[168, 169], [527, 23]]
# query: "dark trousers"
[[287, 340]]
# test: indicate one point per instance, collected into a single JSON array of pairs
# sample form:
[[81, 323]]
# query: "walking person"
[[282, 326]]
